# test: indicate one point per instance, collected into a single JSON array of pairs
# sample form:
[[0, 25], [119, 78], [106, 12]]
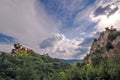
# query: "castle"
[[17, 47], [111, 29]]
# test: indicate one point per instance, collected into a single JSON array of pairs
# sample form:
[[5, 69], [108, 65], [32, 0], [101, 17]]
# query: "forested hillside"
[[102, 63]]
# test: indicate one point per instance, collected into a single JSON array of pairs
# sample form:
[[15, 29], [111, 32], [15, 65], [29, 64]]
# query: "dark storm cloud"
[[106, 10]]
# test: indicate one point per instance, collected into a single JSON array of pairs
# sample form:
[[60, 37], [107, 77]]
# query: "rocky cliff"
[[107, 45]]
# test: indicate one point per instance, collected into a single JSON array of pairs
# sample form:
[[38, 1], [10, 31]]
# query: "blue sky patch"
[[6, 39], [66, 10]]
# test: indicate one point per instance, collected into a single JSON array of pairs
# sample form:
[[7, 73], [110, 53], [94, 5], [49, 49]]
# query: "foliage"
[[31, 66], [113, 35]]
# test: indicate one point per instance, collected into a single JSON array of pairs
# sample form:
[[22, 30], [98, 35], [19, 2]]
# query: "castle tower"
[[111, 27], [107, 29]]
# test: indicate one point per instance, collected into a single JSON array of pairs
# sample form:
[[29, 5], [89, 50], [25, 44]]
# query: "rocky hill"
[[106, 46], [24, 64]]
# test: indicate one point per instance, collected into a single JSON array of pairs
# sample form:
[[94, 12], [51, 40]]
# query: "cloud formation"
[[106, 10], [65, 10], [107, 15], [61, 47], [6, 47], [20, 20], [28, 22], [64, 28]]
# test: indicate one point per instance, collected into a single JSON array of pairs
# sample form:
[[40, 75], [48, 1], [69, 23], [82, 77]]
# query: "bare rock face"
[[105, 45], [116, 41], [100, 42]]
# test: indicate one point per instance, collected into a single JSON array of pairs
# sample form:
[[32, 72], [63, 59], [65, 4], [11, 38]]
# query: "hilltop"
[[24, 64]]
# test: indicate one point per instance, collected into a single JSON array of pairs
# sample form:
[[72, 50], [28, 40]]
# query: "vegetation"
[[25, 64], [30, 67], [113, 35], [38, 67]]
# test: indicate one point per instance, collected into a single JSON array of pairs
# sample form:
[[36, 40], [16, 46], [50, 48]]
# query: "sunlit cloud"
[[61, 47], [113, 10]]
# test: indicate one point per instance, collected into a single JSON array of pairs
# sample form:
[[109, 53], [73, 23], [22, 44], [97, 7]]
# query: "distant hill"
[[71, 60]]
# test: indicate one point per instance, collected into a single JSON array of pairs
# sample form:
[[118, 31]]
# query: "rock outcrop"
[[105, 45]]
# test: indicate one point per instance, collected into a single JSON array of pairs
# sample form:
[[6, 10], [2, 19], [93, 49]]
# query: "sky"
[[64, 29]]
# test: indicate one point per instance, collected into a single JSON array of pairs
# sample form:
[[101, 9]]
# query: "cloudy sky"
[[63, 28]]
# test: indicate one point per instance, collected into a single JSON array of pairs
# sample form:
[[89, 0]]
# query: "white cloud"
[[29, 23], [111, 9], [61, 47], [22, 20], [6, 47], [84, 22]]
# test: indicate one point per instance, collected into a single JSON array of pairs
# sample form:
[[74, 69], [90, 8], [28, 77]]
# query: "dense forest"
[[99, 64]]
